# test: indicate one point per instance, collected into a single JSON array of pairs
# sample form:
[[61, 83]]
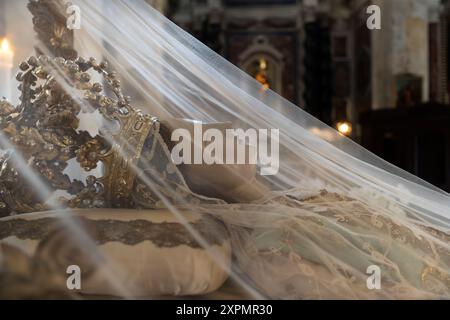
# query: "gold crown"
[[43, 128]]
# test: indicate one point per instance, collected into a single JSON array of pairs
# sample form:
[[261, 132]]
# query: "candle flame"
[[5, 46]]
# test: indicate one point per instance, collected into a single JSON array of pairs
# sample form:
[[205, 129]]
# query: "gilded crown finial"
[[50, 20]]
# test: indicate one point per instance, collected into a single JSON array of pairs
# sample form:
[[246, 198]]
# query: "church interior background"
[[387, 89]]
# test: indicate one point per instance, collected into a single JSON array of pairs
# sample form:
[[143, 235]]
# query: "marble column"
[[400, 47]]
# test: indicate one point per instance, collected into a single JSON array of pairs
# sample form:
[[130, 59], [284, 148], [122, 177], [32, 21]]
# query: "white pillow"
[[146, 252]]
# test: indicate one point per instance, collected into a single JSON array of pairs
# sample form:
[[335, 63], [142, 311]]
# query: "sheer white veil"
[[338, 207], [178, 76]]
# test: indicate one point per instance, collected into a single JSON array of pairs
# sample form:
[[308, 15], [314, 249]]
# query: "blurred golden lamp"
[[344, 128]]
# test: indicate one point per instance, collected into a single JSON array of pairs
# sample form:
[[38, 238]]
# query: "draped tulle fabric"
[[315, 228]]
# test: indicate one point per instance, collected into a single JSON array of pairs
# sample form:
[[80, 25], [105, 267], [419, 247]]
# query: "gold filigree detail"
[[43, 130], [436, 273], [120, 164], [49, 19]]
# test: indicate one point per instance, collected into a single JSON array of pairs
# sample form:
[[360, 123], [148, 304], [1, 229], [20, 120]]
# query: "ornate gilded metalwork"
[[49, 20], [43, 129], [430, 273]]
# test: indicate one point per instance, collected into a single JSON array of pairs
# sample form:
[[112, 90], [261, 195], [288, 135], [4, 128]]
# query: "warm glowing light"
[[5, 46], [6, 66], [261, 77], [344, 128], [6, 53], [263, 64]]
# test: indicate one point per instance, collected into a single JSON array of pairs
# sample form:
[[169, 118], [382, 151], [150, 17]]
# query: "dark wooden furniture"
[[416, 139]]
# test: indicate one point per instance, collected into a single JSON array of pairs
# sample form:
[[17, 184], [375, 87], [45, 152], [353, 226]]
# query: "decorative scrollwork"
[[49, 20], [43, 128], [44, 131]]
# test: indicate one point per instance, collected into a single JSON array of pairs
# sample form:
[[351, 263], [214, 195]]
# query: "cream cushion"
[[142, 253]]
